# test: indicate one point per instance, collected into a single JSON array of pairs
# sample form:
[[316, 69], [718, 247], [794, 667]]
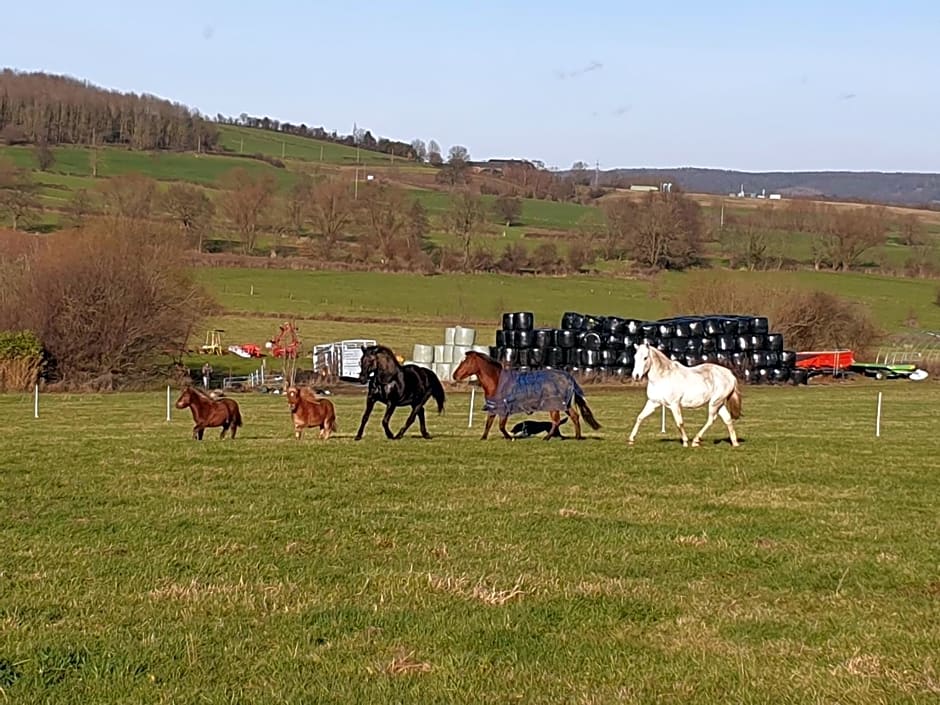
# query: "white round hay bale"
[[480, 349], [438, 354], [448, 354], [444, 371], [464, 336], [449, 335], [423, 353], [459, 352]]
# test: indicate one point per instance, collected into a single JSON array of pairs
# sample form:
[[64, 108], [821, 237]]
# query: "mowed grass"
[[892, 301], [141, 566]]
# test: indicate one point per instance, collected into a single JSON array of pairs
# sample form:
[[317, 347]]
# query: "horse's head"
[[293, 398], [642, 359], [377, 358], [186, 398], [470, 365]]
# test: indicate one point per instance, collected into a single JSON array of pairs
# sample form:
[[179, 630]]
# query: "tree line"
[[42, 108]]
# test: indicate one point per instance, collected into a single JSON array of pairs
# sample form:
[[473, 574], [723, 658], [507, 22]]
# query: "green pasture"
[[141, 566], [205, 169], [246, 140], [454, 298]]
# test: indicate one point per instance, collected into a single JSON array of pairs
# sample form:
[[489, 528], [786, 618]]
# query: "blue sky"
[[755, 86]]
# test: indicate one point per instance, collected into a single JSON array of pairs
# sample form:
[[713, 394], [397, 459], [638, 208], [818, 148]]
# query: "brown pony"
[[208, 412], [512, 391], [308, 411]]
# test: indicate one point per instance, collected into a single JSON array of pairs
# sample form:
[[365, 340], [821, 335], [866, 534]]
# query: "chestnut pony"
[[309, 411], [512, 391], [209, 412]]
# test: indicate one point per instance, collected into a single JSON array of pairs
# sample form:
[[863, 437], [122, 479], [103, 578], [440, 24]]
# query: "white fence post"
[[473, 396], [36, 402], [878, 418]]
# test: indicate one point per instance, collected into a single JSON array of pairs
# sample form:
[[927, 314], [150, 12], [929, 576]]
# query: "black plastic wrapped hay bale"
[[712, 327], [589, 358], [775, 342], [507, 321], [536, 357], [522, 338], [696, 328], [759, 325], [566, 338], [555, 357], [543, 338], [594, 323], [648, 330], [758, 358], [572, 356], [572, 321], [743, 343], [773, 359], [682, 329], [494, 352], [798, 375], [726, 343], [625, 359], [739, 359], [708, 345], [633, 327], [608, 357], [523, 320], [787, 358], [614, 325], [677, 357], [590, 340], [758, 341], [779, 375], [522, 357], [666, 330], [501, 338], [613, 342], [508, 356]]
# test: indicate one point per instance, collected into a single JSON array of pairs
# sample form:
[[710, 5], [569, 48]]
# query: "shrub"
[[20, 360], [109, 305], [808, 320]]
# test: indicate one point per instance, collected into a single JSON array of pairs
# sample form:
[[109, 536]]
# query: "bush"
[[110, 306], [808, 320], [20, 360]]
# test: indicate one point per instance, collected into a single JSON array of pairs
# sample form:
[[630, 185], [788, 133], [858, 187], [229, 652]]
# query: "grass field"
[[484, 297], [140, 566], [246, 140]]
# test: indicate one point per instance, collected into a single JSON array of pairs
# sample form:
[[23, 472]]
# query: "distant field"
[[246, 140], [141, 566], [205, 169], [411, 300]]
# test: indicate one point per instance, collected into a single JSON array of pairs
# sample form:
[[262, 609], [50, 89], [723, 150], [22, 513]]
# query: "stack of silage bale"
[[443, 359], [595, 347]]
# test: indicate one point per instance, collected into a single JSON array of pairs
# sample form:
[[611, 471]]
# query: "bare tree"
[[246, 202], [849, 233], [129, 197], [912, 230], [456, 169], [508, 209], [434, 154], [331, 210], [17, 193], [464, 218], [420, 150], [298, 203], [79, 207], [44, 156], [745, 243], [192, 210], [386, 221]]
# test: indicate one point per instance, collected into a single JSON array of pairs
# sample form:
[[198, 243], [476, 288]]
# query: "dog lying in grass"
[[530, 428]]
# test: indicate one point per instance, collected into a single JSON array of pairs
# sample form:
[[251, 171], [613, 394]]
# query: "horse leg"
[[556, 422], [424, 426], [486, 428], [385, 421], [197, 434], [224, 429], [648, 410], [298, 431], [676, 410], [575, 421], [410, 420], [712, 413], [502, 427], [729, 422], [370, 403]]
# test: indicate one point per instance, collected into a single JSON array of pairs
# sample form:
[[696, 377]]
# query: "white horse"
[[675, 386]]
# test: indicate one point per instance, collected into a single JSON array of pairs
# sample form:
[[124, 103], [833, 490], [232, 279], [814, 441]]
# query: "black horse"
[[394, 385]]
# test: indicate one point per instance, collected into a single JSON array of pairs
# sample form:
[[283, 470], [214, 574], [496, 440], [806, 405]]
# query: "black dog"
[[527, 429]]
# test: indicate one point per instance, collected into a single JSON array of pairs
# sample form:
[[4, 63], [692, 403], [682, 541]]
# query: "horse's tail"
[[733, 402], [237, 420], [331, 418], [586, 411], [437, 391]]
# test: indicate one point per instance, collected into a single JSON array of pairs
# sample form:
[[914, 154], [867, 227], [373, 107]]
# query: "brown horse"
[[511, 391], [208, 412], [309, 411]]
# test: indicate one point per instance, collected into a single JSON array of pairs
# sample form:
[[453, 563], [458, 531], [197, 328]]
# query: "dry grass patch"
[[479, 591]]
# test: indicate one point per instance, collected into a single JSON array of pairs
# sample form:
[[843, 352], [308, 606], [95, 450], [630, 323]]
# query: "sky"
[[785, 86]]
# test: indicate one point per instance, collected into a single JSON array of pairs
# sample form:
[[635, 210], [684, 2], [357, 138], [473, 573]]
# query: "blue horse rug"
[[527, 392]]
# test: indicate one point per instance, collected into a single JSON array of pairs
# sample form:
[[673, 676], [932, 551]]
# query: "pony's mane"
[[198, 392]]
